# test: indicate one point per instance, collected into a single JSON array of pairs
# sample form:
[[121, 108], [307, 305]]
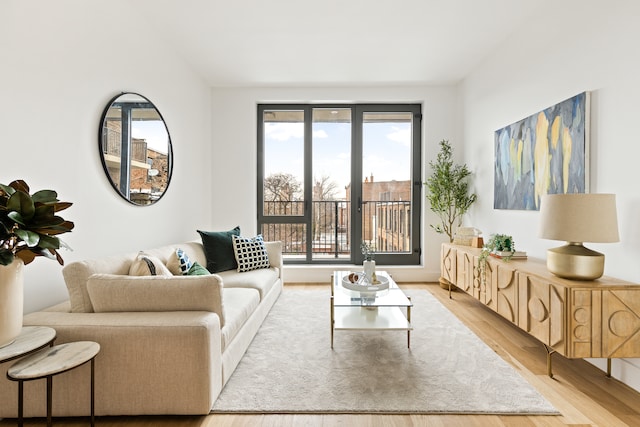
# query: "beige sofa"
[[168, 344]]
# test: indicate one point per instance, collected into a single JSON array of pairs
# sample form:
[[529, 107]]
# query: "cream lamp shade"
[[578, 218]]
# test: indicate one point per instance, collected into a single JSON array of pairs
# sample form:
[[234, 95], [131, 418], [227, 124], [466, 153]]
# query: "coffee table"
[[389, 309]]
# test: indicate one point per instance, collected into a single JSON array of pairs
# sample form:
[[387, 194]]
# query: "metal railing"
[[113, 146], [385, 224]]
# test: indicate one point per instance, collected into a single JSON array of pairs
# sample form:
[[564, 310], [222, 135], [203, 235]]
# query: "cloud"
[[284, 131], [320, 134], [401, 135]]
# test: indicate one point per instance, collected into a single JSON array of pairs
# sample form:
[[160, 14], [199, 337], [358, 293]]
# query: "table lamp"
[[578, 218]]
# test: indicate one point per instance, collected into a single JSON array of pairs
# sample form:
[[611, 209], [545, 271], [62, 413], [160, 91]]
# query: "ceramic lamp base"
[[575, 262], [11, 301]]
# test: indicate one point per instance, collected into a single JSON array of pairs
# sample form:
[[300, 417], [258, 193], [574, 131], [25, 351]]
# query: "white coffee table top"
[[30, 339], [53, 360]]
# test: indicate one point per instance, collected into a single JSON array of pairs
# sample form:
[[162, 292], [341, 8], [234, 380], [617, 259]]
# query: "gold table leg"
[[332, 321], [409, 320], [331, 316]]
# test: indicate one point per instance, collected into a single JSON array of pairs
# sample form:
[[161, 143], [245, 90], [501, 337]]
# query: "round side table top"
[[53, 360], [31, 338]]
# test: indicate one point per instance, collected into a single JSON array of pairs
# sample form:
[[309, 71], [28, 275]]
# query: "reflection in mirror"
[[135, 148]]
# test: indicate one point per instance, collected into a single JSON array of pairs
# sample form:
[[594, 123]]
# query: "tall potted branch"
[[448, 191], [29, 227]]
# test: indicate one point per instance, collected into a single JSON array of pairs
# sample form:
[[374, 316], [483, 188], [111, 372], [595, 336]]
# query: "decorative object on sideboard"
[[28, 228], [369, 263], [448, 191], [466, 236], [578, 218], [500, 246], [135, 149], [547, 152]]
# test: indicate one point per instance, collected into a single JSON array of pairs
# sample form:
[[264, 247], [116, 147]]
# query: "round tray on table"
[[363, 285]]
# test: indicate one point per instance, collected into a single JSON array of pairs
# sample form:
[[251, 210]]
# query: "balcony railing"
[[385, 224], [113, 146]]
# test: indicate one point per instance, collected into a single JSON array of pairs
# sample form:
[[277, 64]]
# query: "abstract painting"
[[545, 153]]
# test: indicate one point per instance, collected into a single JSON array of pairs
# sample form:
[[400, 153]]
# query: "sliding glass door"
[[333, 176]]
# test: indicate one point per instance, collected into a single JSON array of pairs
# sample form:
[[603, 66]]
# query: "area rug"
[[291, 368]]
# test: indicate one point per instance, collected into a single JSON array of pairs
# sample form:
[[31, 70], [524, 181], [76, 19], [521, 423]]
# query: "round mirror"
[[135, 149]]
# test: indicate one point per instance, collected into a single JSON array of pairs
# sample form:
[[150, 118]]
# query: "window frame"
[[358, 111]]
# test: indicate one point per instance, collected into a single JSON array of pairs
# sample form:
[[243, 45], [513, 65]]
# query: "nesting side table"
[[50, 362], [30, 340]]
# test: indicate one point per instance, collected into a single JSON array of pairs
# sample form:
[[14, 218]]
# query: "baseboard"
[[624, 370]]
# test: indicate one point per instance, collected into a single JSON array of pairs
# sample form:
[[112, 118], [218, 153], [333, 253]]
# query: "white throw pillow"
[[147, 265]]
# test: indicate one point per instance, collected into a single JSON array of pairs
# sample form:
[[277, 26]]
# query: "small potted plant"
[[499, 245]]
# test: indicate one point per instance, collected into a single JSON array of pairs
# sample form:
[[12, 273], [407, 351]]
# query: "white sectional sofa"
[[168, 344]]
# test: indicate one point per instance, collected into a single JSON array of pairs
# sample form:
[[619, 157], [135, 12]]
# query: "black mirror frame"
[[102, 156]]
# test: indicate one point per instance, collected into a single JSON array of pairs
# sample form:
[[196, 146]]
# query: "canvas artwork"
[[545, 153]]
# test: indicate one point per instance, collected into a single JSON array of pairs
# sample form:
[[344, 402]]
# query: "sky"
[[154, 131], [386, 151]]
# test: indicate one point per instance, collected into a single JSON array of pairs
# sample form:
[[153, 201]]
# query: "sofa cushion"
[[251, 254], [179, 262], [148, 265], [218, 248], [240, 303], [77, 273], [115, 293], [262, 280]]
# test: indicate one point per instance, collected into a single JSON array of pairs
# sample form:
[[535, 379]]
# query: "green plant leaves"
[[448, 190], [29, 224]]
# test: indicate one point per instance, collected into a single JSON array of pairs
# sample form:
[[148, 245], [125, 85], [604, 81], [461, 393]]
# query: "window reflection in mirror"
[[135, 149]]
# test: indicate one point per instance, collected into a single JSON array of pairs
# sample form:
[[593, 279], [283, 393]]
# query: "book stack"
[[511, 255]]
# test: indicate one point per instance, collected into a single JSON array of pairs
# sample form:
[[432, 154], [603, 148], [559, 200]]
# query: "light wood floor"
[[581, 392]]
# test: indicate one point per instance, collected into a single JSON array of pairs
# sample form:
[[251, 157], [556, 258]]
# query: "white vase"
[[11, 301], [369, 268]]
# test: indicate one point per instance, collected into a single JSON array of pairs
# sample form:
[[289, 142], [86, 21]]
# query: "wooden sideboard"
[[577, 319]]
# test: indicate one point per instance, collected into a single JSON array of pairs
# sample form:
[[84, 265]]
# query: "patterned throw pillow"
[[179, 263], [147, 265], [251, 253]]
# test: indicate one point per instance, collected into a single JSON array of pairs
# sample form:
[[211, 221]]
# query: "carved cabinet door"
[[464, 271], [541, 310], [448, 264], [504, 291], [620, 323]]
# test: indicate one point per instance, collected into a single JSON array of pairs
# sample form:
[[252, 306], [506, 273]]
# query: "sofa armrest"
[[149, 363], [274, 252], [119, 293]]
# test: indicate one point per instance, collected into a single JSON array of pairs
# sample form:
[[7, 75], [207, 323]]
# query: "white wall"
[[61, 63], [234, 158], [579, 46]]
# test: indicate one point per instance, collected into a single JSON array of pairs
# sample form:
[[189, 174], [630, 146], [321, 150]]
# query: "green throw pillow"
[[197, 270], [218, 248]]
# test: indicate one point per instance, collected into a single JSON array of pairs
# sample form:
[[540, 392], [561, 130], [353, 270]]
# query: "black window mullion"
[[356, 185], [308, 179]]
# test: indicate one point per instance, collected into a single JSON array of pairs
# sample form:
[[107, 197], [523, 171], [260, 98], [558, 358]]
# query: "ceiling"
[[250, 43]]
